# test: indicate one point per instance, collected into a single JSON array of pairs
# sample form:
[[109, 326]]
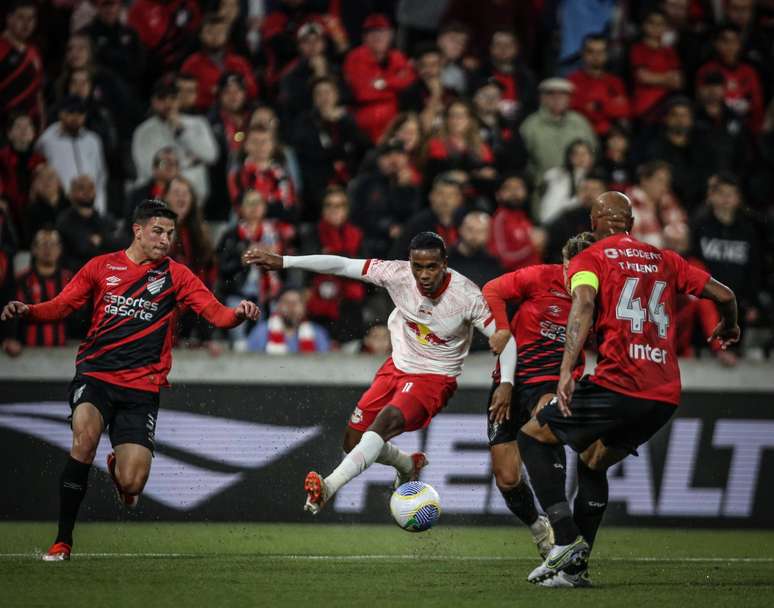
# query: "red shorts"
[[418, 396]]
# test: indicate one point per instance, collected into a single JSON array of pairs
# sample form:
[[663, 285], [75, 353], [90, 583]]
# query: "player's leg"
[[131, 470], [87, 425]]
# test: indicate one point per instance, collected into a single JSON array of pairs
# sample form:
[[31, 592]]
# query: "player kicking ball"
[[538, 326], [431, 328], [126, 356], [627, 290]]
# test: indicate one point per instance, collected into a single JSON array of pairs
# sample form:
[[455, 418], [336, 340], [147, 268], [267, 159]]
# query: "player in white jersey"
[[431, 329]]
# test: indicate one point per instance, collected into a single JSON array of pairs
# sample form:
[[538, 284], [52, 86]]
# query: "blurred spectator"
[[287, 330], [41, 282], [561, 183], [743, 92], [574, 219], [686, 150], [377, 74], [84, 230], [328, 143], [723, 128], [47, 202], [99, 117], [187, 85], [165, 167], [73, 150], [376, 341], [686, 32], [519, 96], [21, 64], [452, 41], [515, 241], [442, 217], [655, 68], [654, 207], [599, 95], [262, 169], [383, 198], [761, 186], [228, 120], [617, 159], [334, 302], [295, 96], [265, 116], [189, 135], [237, 281], [549, 131], [458, 146], [727, 242], [406, 128], [214, 58], [470, 256], [427, 96], [757, 34], [18, 161], [8, 246], [497, 131], [579, 19], [167, 30], [116, 46]]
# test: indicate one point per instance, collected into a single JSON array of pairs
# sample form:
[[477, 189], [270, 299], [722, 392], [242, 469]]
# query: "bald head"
[[611, 213]]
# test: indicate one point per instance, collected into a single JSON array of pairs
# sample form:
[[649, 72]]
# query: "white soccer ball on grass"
[[415, 506]]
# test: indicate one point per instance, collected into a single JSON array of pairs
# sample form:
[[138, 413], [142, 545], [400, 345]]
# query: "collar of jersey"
[[441, 288]]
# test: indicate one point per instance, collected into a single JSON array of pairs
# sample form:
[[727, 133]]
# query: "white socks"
[[394, 457], [362, 456]]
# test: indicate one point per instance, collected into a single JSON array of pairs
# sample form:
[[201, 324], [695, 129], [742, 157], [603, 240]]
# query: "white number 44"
[[630, 308]]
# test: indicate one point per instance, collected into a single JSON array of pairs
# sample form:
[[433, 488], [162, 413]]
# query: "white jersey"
[[429, 336]]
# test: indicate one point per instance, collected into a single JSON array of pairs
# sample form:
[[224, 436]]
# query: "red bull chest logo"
[[424, 335]]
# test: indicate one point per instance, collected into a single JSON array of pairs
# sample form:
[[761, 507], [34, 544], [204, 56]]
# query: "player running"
[[126, 356], [627, 289], [430, 329], [538, 327]]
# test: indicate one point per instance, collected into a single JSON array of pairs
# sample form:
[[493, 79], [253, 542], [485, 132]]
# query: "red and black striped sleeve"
[[74, 295]]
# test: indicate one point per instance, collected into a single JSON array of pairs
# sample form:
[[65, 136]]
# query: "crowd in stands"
[[347, 126]]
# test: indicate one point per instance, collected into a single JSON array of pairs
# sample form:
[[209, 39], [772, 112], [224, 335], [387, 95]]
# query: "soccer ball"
[[415, 506]]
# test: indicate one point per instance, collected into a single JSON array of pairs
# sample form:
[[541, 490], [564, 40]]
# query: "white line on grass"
[[404, 557]]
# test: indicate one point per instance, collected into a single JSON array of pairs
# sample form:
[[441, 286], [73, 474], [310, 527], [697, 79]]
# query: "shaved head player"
[[124, 360], [627, 291]]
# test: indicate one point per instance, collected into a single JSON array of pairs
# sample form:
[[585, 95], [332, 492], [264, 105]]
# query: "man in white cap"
[[549, 131]]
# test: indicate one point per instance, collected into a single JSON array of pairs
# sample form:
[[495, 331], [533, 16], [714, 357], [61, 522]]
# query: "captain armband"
[[584, 277]]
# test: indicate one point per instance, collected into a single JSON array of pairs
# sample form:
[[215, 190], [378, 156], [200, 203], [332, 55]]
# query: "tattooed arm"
[[578, 326]]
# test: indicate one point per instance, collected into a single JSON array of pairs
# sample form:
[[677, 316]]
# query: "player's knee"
[[132, 480], [85, 442], [507, 477], [389, 422]]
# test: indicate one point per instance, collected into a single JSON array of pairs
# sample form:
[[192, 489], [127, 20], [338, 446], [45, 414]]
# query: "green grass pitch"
[[221, 565]]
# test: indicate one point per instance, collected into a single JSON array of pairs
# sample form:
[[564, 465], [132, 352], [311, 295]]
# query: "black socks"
[[521, 502], [72, 489], [546, 466], [591, 501]]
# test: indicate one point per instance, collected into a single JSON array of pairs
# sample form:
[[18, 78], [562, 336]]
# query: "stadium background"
[[139, 55]]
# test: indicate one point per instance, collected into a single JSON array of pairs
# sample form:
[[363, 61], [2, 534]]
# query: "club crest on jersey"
[[424, 335], [554, 310], [426, 310], [155, 285], [112, 280]]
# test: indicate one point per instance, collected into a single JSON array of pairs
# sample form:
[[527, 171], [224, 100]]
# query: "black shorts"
[[620, 421], [129, 415], [524, 398]]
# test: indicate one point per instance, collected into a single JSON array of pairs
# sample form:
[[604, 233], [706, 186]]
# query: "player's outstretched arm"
[[727, 331], [14, 310], [323, 264], [579, 323], [496, 293]]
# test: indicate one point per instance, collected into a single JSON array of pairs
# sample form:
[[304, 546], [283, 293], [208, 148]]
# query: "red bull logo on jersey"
[[424, 335]]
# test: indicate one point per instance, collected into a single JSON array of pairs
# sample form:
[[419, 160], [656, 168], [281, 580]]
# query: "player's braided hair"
[[428, 240], [576, 244]]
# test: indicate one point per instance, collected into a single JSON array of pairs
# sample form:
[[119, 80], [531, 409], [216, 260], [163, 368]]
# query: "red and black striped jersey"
[[129, 341], [21, 78], [33, 288], [540, 321]]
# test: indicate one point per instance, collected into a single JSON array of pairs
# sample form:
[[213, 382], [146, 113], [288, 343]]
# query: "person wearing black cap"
[[74, 150], [376, 73], [189, 135]]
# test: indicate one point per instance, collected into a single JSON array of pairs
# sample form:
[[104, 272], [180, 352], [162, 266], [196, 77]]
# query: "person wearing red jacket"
[[18, 162], [124, 360], [213, 60], [336, 302], [377, 74], [514, 240], [743, 90], [598, 95]]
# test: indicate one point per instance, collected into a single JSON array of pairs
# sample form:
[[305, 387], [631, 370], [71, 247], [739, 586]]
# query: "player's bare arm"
[[578, 325], [727, 331], [13, 310], [262, 258]]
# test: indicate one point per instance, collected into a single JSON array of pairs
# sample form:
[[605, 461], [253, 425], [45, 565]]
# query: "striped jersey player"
[[124, 360], [431, 327]]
